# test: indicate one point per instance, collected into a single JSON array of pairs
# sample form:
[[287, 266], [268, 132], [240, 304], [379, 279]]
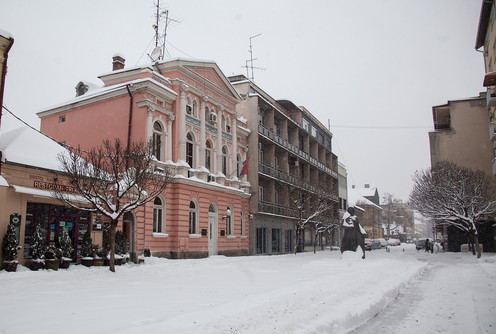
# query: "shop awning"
[[45, 193], [490, 79]]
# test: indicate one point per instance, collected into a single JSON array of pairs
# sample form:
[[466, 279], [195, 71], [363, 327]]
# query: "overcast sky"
[[372, 69]]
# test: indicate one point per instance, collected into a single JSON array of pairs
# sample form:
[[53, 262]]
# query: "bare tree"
[[311, 210], [454, 196], [113, 180], [394, 210]]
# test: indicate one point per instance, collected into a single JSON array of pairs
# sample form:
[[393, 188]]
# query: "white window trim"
[[160, 235]]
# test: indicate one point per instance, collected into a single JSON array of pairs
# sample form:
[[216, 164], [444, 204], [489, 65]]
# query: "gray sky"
[[373, 68]]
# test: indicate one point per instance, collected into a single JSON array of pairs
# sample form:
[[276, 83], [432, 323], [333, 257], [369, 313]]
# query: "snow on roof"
[[104, 90], [28, 147], [356, 196], [5, 34]]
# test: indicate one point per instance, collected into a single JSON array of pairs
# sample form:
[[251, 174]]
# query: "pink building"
[[188, 109]]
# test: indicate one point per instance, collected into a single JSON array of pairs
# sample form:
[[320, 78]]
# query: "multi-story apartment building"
[[460, 136], [290, 160], [188, 109]]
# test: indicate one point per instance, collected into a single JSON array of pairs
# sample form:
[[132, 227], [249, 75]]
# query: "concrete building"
[[460, 134], [290, 153], [188, 109]]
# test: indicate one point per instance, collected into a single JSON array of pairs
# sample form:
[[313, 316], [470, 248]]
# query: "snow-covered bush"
[[121, 243], [87, 245], [9, 244], [53, 253], [66, 245], [38, 243]]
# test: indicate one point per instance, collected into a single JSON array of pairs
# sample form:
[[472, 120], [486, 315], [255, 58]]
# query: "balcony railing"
[[292, 180], [269, 134]]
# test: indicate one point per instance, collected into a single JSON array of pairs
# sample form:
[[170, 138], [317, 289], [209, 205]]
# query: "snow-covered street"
[[307, 293]]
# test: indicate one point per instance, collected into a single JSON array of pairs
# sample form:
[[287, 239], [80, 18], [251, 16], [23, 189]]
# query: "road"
[[449, 297]]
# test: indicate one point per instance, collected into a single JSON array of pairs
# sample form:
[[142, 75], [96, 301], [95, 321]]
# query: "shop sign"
[[46, 183]]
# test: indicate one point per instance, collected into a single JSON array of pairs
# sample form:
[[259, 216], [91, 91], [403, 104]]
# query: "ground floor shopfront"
[[277, 234]]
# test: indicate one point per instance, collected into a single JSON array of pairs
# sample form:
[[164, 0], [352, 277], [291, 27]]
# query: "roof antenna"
[[249, 63], [159, 50]]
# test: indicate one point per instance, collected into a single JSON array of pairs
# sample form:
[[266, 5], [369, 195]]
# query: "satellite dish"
[[156, 53]]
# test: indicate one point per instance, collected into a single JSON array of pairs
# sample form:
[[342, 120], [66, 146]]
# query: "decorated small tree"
[[10, 249], [66, 248], [87, 250], [37, 248], [121, 246], [66, 245]]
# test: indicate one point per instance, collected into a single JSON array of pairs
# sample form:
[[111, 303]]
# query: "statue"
[[353, 233]]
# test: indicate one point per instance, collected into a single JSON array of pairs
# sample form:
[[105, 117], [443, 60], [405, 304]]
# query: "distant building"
[[367, 199]]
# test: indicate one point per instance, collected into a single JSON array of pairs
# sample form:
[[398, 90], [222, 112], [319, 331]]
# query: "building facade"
[[460, 134], [290, 162], [188, 110]]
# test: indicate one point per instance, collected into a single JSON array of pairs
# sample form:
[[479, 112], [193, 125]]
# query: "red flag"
[[244, 170]]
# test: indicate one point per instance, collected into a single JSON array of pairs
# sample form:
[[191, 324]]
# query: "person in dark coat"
[[353, 235], [427, 245]]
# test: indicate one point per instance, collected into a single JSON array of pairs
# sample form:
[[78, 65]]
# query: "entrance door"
[[60, 222], [129, 229], [212, 230]]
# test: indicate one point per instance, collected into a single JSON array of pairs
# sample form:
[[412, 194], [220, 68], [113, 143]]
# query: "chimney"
[[367, 186], [118, 62]]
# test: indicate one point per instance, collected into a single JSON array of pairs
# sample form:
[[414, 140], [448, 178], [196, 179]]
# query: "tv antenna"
[[159, 50], [249, 63]]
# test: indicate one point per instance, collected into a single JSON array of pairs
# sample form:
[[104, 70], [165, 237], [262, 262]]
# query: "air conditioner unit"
[[213, 117], [293, 162]]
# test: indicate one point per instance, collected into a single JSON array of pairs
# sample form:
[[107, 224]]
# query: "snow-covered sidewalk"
[[456, 294], [307, 293]]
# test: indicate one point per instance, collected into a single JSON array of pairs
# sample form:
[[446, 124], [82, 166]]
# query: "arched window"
[[229, 221], [193, 218], [157, 140], [228, 124], [208, 155], [207, 114], [189, 106], [190, 149], [158, 216], [224, 160], [195, 108]]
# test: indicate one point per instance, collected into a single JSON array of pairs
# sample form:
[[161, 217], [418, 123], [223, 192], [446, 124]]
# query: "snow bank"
[[304, 293]]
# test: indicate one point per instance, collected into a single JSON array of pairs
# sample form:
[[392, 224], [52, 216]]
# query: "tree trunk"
[[477, 246], [113, 225]]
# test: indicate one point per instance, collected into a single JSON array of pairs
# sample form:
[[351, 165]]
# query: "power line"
[[390, 127]]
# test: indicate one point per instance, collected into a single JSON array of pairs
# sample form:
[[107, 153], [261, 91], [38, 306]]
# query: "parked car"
[[376, 244], [383, 242], [368, 244], [420, 244], [394, 242]]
